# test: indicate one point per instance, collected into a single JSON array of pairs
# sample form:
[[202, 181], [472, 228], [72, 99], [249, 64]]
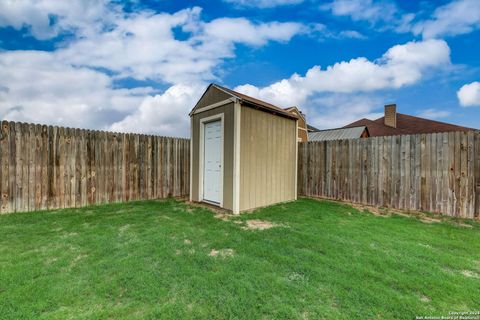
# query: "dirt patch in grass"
[[421, 216], [259, 225], [470, 274], [377, 211], [77, 259], [402, 214], [222, 216], [424, 298], [424, 245], [187, 241], [388, 212], [214, 209], [430, 220], [69, 234], [296, 277], [463, 225], [221, 253], [50, 261], [123, 228]]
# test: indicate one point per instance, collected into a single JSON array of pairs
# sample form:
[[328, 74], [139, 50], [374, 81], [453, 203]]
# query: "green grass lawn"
[[154, 259]]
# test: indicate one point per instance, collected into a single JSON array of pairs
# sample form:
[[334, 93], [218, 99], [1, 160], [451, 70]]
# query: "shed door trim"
[[203, 121], [236, 158], [296, 160], [213, 106], [191, 159]]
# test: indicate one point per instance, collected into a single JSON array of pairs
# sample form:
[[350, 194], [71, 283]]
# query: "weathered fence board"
[[47, 167], [437, 172]]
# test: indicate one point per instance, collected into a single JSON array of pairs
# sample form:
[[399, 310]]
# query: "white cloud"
[[47, 18], [321, 32], [165, 113], [38, 87], [338, 110], [83, 98], [242, 30], [363, 10], [333, 96], [401, 65], [352, 34], [263, 3], [456, 17], [144, 46], [285, 93], [434, 113], [469, 94]]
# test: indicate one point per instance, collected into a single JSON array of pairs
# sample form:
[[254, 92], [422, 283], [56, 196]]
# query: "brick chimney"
[[390, 118]]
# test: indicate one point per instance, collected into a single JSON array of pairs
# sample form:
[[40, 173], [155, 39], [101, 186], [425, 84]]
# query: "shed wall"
[[211, 96], [227, 152], [267, 159]]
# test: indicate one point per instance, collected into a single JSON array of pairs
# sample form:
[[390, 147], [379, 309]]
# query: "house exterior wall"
[[302, 125], [302, 130], [268, 145], [228, 149], [364, 134]]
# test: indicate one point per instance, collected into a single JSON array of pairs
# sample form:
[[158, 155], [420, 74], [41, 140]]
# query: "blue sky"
[[140, 66]]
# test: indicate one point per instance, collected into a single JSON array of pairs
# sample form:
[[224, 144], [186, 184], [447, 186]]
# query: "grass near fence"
[[164, 259]]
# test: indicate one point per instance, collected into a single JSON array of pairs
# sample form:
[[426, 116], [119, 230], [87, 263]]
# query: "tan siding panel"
[[267, 159]]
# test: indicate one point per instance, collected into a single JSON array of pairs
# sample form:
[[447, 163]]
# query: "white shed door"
[[212, 164]]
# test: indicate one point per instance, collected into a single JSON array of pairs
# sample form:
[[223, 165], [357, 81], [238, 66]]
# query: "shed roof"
[[243, 98], [257, 102], [337, 134]]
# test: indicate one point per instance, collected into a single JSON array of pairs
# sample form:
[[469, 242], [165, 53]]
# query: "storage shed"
[[243, 151]]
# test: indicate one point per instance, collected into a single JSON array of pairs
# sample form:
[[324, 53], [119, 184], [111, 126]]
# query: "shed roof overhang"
[[244, 100]]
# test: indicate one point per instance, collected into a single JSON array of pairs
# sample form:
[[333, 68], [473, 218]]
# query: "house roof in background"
[[257, 103], [337, 134], [406, 124], [312, 128]]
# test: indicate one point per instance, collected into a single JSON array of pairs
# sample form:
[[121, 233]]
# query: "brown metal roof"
[[311, 128], [258, 103], [406, 125]]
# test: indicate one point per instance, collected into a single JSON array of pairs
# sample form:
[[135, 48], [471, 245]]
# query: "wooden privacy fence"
[[46, 167], [437, 172]]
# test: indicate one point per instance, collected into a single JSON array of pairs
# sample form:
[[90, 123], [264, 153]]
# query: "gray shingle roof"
[[336, 134]]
